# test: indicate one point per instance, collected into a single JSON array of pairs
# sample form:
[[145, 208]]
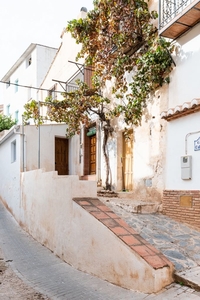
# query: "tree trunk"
[[106, 156]]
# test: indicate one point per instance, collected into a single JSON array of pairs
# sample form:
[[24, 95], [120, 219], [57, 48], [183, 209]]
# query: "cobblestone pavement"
[[47, 274], [178, 242]]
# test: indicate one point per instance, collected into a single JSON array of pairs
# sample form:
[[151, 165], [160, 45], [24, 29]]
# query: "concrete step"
[[88, 177], [178, 242], [106, 194], [190, 277], [130, 205], [140, 208]]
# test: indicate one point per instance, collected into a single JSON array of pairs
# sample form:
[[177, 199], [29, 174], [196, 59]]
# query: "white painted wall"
[[47, 135], [62, 70], [52, 218], [177, 131], [10, 172], [28, 75], [184, 87], [148, 152]]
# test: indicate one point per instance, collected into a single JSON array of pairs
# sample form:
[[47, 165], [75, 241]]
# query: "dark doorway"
[[61, 156]]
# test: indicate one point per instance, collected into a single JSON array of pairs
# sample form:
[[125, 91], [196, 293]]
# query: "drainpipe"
[[99, 151], [39, 137], [186, 138], [17, 127]]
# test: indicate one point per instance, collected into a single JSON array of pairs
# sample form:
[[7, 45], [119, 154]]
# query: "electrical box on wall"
[[186, 167]]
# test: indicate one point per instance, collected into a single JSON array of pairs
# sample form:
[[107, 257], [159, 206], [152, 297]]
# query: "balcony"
[[177, 16]]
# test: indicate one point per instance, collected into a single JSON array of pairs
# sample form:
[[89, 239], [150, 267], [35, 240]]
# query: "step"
[[189, 277], [88, 177], [106, 194], [141, 208], [130, 205]]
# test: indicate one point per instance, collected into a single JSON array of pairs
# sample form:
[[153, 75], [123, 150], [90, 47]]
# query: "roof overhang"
[[181, 110]]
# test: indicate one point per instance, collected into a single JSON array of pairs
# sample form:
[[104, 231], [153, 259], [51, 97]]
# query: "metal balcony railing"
[[169, 9], [177, 17]]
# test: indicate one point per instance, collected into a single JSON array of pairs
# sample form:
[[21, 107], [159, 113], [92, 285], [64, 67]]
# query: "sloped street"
[[42, 272]]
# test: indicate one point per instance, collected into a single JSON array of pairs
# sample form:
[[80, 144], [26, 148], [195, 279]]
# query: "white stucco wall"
[[62, 69], [177, 131], [27, 75], [52, 218], [10, 172], [149, 143], [46, 141], [184, 87], [27, 157]]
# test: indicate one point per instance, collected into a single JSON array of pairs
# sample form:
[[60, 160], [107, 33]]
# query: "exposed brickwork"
[[124, 232], [173, 209]]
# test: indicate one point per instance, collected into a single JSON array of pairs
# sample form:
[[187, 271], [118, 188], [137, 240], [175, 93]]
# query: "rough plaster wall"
[[148, 153], [149, 150], [108, 257], [70, 232]]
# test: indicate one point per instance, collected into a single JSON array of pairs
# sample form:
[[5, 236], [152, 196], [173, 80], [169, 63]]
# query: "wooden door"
[[61, 156], [127, 162], [93, 154]]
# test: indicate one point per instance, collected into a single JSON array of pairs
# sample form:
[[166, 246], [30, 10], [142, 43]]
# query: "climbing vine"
[[118, 37], [120, 41]]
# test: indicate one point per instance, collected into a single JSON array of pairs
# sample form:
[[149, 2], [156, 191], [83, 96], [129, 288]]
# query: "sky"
[[23, 22]]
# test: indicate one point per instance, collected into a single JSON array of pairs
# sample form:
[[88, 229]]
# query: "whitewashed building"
[[61, 77], [136, 164], [25, 148], [181, 198], [153, 163], [24, 77]]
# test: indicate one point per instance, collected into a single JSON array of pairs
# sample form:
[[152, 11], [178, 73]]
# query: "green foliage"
[[120, 42], [75, 109], [32, 112], [6, 122], [118, 37]]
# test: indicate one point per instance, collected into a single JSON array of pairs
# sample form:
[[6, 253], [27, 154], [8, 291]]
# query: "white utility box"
[[186, 167]]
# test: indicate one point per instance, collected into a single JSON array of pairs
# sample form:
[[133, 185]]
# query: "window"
[[17, 116], [13, 151], [16, 85], [28, 61], [8, 110]]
